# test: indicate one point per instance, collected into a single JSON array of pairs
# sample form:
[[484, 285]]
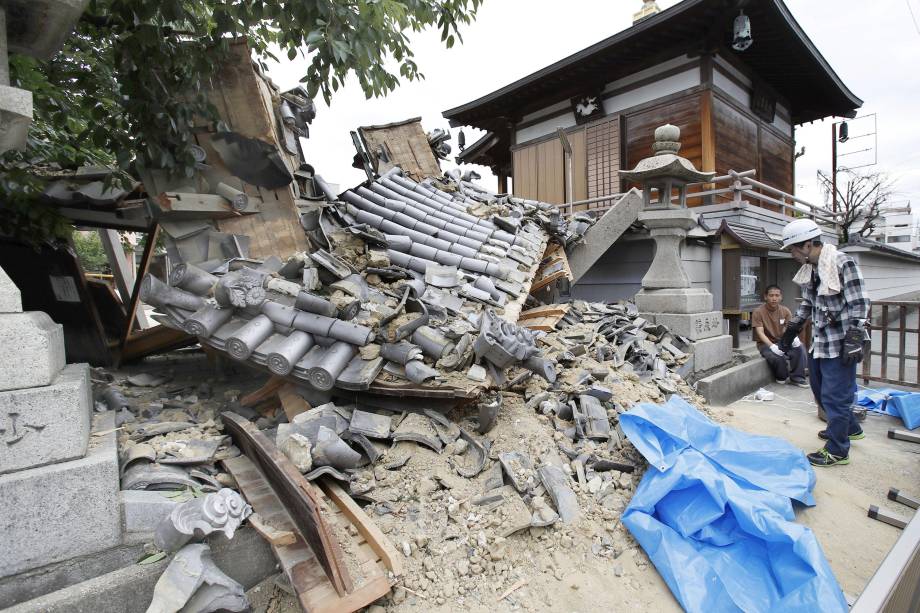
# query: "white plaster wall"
[[648, 72], [545, 127], [740, 94], [659, 89]]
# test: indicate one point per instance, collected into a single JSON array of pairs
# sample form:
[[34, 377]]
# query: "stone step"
[[727, 386], [43, 425], [33, 350], [64, 510]]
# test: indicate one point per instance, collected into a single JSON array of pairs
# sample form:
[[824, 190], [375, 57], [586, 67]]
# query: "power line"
[[911, 9]]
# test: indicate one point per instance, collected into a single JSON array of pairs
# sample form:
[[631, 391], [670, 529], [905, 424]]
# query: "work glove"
[[776, 350], [853, 346], [797, 343], [793, 328]]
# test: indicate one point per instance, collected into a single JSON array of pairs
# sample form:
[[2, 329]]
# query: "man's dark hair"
[[769, 287]]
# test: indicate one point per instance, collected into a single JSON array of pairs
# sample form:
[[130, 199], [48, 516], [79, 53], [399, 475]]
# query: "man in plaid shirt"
[[834, 298]]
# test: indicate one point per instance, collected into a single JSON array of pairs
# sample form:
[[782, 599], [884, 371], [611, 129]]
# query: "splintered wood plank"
[[368, 529], [548, 310], [292, 402], [553, 266], [541, 323], [300, 498], [512, 310]]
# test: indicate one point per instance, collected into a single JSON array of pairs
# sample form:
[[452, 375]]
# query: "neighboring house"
[[896, 227]]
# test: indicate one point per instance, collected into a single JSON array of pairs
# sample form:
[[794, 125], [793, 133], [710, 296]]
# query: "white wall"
[[887, 276]]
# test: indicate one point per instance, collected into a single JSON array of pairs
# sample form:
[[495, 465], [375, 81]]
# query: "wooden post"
[[122, 271], [884, 362], [708, 136], [834, 167], [502, 183], [134, 297]]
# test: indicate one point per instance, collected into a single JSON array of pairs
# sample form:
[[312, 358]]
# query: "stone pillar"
[[667, 296], [15, 103], [59, 494]]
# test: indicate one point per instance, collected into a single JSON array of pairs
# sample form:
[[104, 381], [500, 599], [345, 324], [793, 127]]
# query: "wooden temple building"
[[736, 109]]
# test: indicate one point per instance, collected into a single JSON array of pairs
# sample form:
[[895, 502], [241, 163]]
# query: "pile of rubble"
[[501, 442]]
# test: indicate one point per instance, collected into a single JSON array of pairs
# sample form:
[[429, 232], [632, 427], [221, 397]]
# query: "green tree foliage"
[[131, 81], [89, 248]]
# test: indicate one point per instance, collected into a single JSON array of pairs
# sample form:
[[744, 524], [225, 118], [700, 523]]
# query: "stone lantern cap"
[[666, 164]]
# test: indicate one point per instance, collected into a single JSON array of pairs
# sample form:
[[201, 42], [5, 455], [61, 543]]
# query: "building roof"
[[752, 237], [782, 55], [865, 244]]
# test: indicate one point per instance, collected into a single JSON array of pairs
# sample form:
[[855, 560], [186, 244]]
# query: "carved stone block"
[[10, 298], [33, 350], [64, 510], [43, 425], [694, 326]]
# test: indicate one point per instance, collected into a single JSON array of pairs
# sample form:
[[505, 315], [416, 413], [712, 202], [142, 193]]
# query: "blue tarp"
[[897, 403], [714, 513]]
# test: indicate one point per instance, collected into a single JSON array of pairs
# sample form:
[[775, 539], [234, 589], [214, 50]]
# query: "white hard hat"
[[799, 231]]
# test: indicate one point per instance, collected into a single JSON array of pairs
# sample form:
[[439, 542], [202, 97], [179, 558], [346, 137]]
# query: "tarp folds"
[[897, 403], [714, 513]]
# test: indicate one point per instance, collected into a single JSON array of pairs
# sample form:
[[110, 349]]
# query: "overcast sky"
[[873, 46]]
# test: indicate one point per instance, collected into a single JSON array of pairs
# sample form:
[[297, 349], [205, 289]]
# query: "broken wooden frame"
[[553, 266], [270, 492], [298, 497], [133, 343]]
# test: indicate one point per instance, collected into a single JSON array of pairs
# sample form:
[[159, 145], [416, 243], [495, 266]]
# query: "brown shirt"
[[773, 322]]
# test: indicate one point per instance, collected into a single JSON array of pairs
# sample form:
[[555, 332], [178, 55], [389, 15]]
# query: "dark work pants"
[[790, 365], [834, 384]]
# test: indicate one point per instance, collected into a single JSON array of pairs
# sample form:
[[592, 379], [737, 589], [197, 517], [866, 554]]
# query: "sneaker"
[[782, 381], [823, 457], [853, 437], [799, 382]]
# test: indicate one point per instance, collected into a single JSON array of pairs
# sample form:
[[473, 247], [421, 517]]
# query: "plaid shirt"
[[833, 315]]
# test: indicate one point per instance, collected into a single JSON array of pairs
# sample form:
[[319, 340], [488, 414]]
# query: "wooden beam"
[[266, 392], [153, 234], [122, 271]]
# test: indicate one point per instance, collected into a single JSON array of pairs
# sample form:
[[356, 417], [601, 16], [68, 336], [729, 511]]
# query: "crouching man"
[[834, 298], [769, 321]]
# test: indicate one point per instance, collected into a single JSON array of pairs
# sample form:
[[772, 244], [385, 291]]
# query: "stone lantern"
[[667, 295], [665, 171]]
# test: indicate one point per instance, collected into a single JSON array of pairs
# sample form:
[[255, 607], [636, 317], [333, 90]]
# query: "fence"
[[894, 326], [733, 187]]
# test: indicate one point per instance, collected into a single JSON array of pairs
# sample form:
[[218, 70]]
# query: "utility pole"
[[834, 166]]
